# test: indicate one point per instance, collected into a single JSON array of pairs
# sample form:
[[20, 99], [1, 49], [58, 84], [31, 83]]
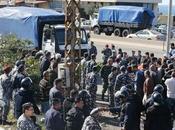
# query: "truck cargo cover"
[[25, 22], [126, 14]]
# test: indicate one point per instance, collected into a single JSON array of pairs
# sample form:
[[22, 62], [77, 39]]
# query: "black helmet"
[[129, 88], [122, 68], [123, 88], [159, 88], [26, 83], [85, 96], [124, 93], [121, 95], [19, 62], [157, 97]]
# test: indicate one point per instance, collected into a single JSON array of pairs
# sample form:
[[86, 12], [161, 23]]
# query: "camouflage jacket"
[[6, 87], [91, 123], [25, 123]]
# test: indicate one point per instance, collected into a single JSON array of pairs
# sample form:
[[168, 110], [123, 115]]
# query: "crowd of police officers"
[[137, 86]]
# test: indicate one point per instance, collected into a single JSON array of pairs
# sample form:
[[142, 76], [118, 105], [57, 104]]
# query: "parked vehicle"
[[29, 23], [123, 20], [148, 34], [86, 24]]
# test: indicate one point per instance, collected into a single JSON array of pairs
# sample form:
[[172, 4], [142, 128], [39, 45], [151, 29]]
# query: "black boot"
[[102, 97]]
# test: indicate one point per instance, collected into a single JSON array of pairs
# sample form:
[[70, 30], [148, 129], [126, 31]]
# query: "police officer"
[[18, 77], [107, 52], [25, 121], [24, 95], [105, 71], [83, 70], [6, 89], [86, 97], [92, 84], [45, 63], [158, 116], [157, 89], [44, 86], [92, 49], [90, 64], [111, 80], [53, 117], [75, 116], [91, 122], [69, 101], [122, 79], [131, 113]]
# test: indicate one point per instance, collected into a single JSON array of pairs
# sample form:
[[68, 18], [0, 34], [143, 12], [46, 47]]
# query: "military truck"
[[43, 27], [123, 20]]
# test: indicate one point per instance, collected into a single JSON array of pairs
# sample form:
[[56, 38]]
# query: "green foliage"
[[11, 49], [32, 68]]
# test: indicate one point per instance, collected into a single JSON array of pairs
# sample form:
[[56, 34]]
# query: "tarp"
[[27, 22], [126, 14]]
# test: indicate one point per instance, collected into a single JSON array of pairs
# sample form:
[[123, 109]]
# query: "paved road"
[[128, 45]]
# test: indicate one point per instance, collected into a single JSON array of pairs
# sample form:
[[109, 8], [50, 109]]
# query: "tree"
[[11, 49]]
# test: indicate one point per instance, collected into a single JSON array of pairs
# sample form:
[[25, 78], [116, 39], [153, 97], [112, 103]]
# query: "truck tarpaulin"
[[125, 14], [27, 23]]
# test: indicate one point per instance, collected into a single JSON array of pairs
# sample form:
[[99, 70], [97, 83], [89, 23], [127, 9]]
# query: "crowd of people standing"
[[134, 84]]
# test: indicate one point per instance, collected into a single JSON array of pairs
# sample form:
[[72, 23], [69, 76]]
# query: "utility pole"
[[72, 37], [168, 28]]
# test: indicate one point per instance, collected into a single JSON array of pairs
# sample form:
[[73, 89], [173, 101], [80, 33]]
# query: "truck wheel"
[[125, 33], [117, 32], [96, 30]]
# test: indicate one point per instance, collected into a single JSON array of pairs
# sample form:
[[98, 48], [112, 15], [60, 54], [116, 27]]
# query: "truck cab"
[[54, 39]]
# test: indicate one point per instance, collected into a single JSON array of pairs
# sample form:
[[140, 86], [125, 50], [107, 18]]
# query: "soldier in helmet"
[[130, 113], [158, 115], [92, 84], [24, 95], [157, 89], [87, 102], [17, 64], [18, 77], [75, 116]]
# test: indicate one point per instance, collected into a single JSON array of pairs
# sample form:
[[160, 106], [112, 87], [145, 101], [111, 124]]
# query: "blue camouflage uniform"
[[25, 123], [111, 82], [105, 71], [122, 80], [92, 86], [6, 89], [91, 123]]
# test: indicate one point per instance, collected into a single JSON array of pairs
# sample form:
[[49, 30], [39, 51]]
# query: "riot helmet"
[[159, 88], [157, 98], [85, 96], [26, 83]]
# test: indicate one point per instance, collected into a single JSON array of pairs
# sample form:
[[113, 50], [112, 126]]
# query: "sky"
[[166, 2]]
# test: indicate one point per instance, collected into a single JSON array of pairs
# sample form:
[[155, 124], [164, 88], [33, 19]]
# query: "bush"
[[11, 49]]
